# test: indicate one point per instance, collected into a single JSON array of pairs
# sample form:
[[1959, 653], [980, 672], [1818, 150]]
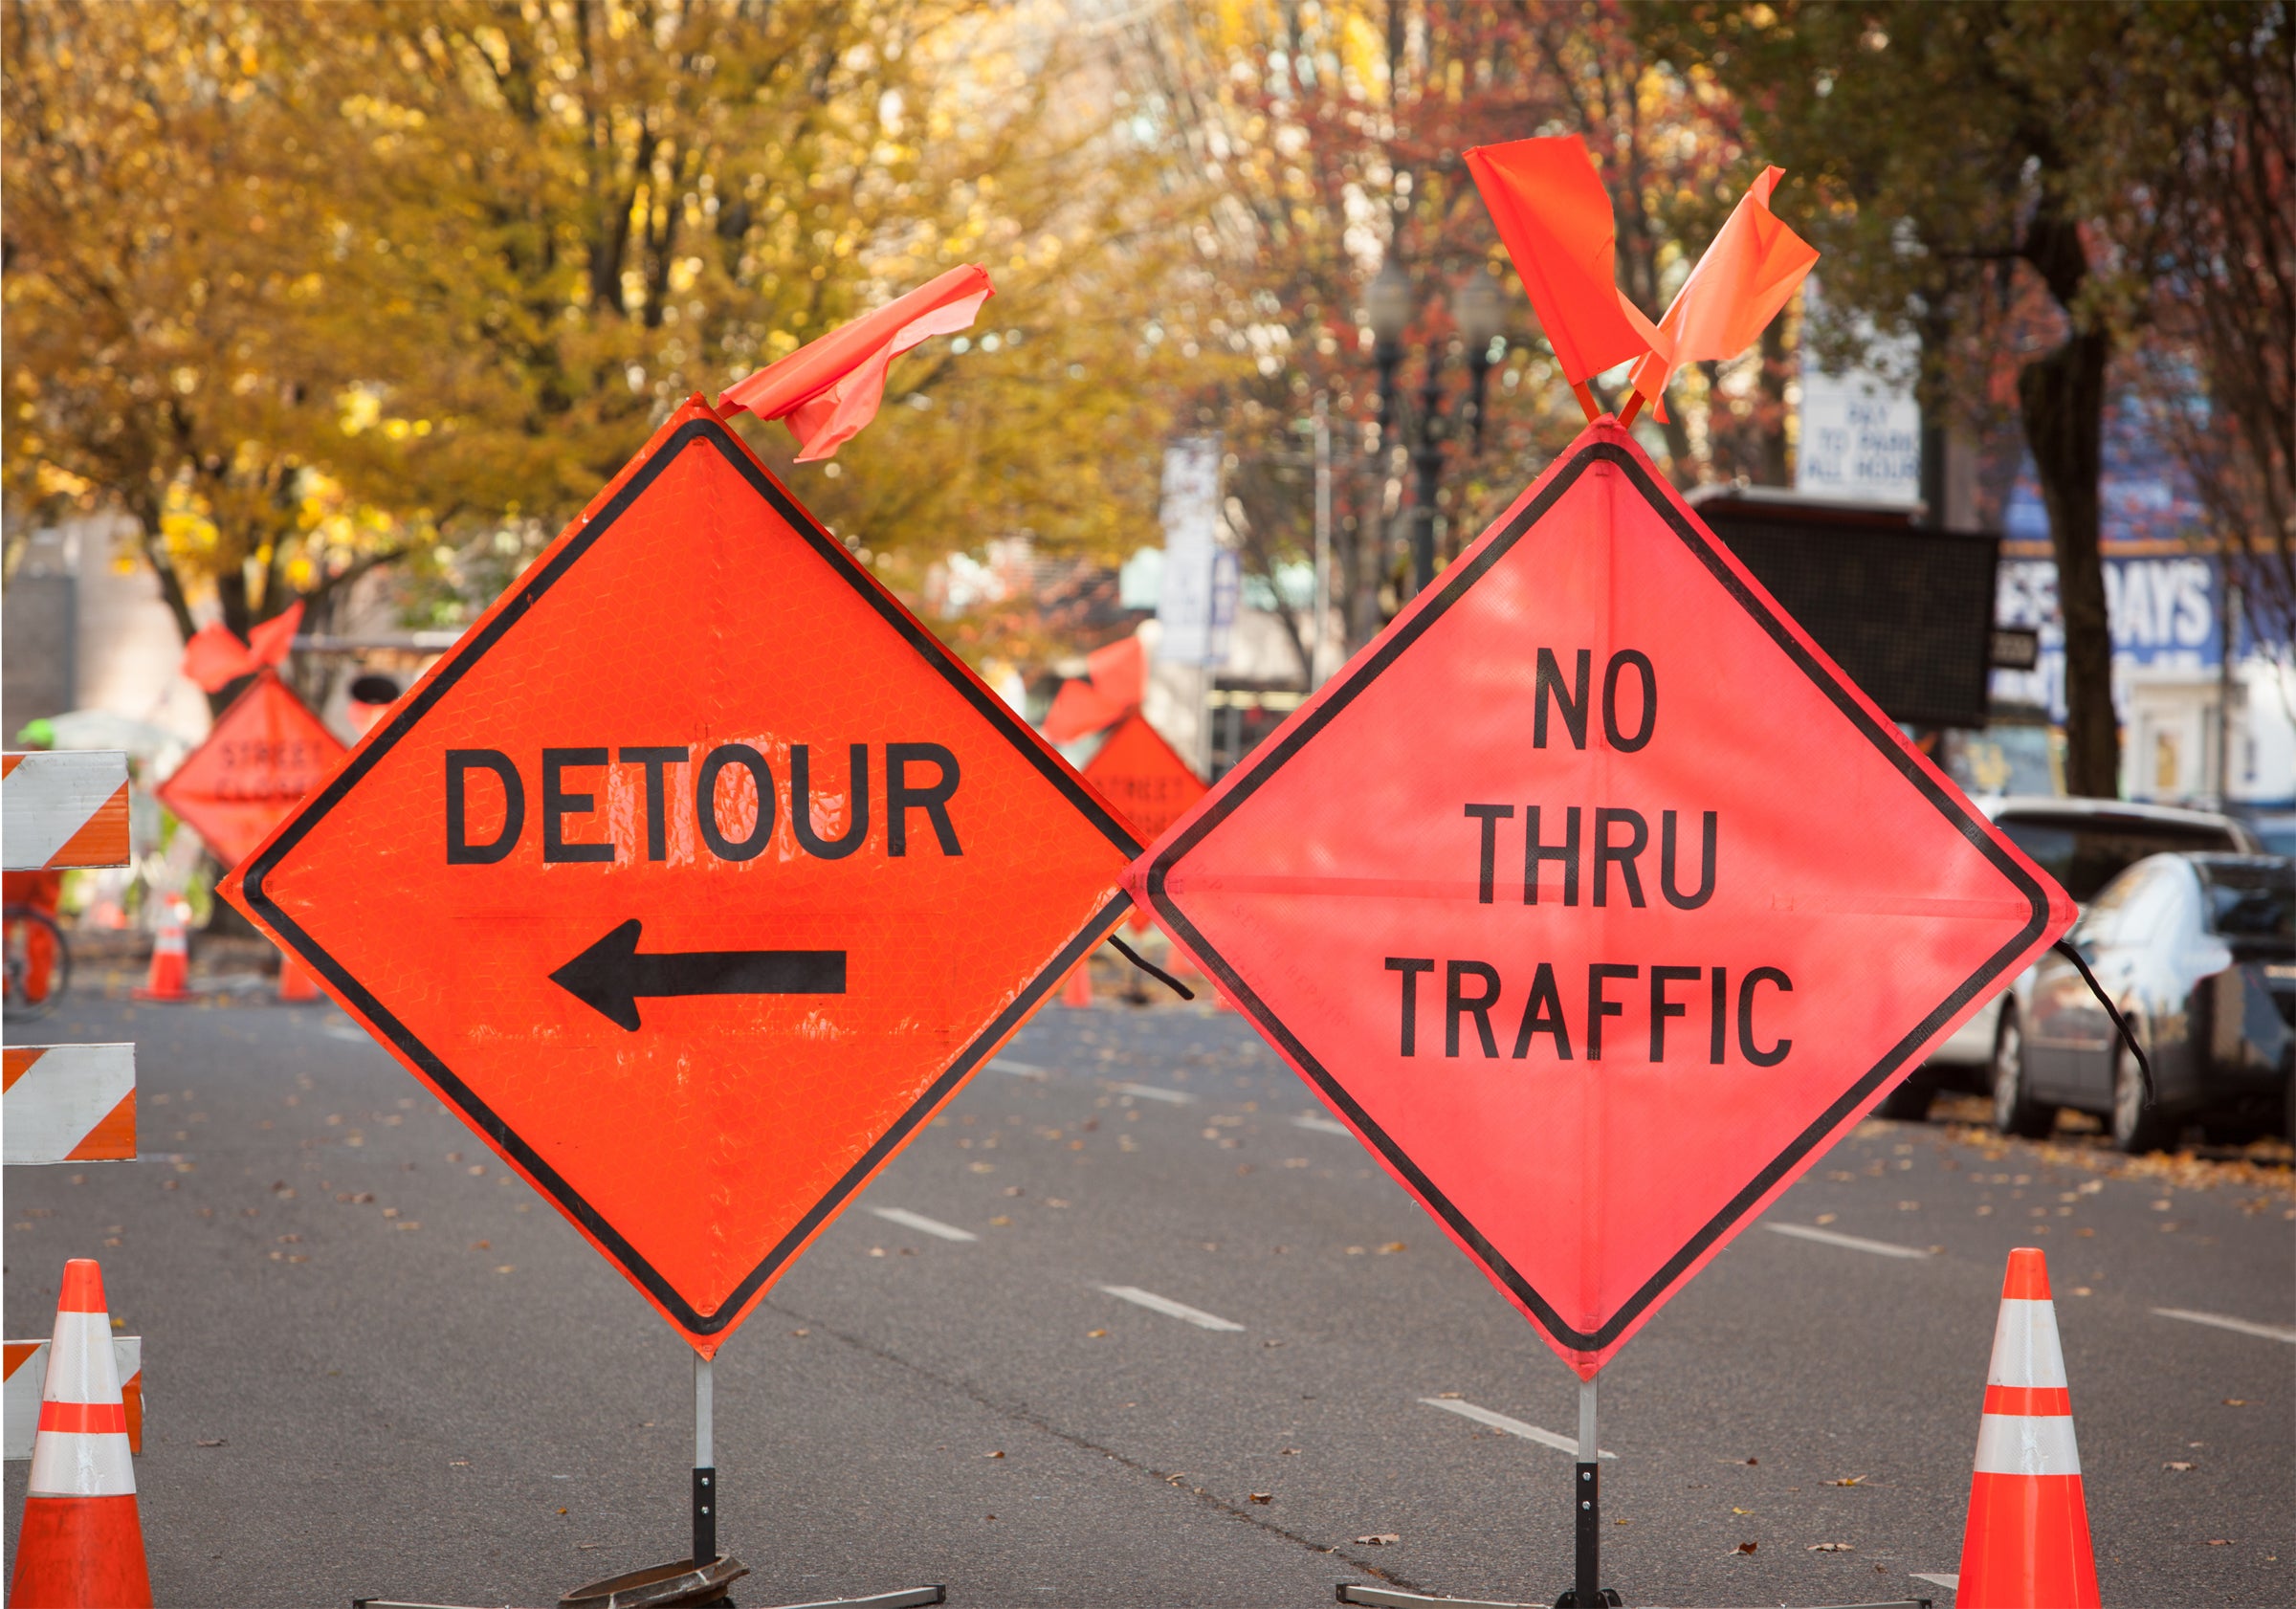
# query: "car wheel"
[[2015, 1110], [1909, 1101], [2136, 1122]]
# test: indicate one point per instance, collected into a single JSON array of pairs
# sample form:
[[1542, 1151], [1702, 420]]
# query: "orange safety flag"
[[1120, 671], [1078, 708], [216, 657], [1746, 275], [1555, 216], [827, 389]]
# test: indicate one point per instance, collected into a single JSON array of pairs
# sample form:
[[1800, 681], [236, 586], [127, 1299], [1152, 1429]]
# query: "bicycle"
[[29, 932]]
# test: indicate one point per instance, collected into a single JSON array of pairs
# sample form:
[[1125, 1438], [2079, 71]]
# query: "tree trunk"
[[2061, 399]]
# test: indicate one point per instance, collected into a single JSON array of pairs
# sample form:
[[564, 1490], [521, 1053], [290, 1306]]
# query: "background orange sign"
[[265, 752], [1144, 777], [697, 877]]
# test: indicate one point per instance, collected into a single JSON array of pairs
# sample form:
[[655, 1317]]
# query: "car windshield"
[[2086, 852], [2279, 836], [2252, 902]]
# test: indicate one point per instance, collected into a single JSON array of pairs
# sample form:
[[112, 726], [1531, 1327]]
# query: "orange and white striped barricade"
[[2027, 1544], [82, 1544], [64, 809], [26, 1365], [68, 1103]]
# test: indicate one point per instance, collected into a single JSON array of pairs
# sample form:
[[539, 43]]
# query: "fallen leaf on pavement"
[[1745, 1547], [1831, 1548], [1741, 1510], [1262, 1496], [1380, 1539], [997, 1454], [217, 1442], [1095, 1334], [1849, 1481], [1391, 1248], [2219, 1541], [2235, 1401], [2178, 1466]]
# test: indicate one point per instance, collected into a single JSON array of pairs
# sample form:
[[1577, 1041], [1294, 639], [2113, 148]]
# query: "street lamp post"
[[1481, 320], [1389, 305], [1427, 458]]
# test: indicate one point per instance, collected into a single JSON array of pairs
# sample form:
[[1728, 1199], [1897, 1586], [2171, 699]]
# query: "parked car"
[[2084, 844], [2198, 953]]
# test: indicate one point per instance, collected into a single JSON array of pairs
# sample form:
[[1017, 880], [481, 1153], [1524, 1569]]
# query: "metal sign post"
[[705, 1467], [1588, 1589]]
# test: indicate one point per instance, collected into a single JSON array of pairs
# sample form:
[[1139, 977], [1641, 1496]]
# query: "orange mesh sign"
[[1595, 900], [697, 877]]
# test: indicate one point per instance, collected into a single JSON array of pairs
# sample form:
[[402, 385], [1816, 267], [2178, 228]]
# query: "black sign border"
[[466, 653], [1453, 585]]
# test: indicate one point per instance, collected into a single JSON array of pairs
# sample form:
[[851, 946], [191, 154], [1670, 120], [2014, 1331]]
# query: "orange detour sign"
[[266, 751], [1595, 900], [697, 877]]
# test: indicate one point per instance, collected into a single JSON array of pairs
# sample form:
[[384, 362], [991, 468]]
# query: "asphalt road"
[[376, 1364]]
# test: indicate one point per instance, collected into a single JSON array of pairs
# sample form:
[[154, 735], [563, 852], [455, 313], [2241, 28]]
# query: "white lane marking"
[[1513, 1427], [1019, 1069], [922, 1225], [1150, 1093], [1953, 1580], [1855, 1242], [354, 1034], [1321, 1125], [1170, 1309], [2245, 1326]]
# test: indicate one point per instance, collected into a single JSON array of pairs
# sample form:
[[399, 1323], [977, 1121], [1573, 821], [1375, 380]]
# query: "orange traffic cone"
[[170, 961], [81, 1546], [296, 985], [2027, 1544], [1078, 989]]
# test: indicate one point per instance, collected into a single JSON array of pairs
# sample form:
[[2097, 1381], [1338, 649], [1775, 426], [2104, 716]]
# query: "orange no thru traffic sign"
[[265, 752], [1595, 900], [697, 877]]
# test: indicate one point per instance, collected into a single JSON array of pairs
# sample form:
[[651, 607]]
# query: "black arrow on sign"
[[610, 975]]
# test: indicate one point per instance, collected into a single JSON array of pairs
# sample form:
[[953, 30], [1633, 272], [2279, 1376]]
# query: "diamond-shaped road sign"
[[697, 875], [266, 751], [1595, 900]]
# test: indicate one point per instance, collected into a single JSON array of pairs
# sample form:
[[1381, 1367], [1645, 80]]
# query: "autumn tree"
[[451, 260], [1336, 137], [180, 284], [1961, 152]]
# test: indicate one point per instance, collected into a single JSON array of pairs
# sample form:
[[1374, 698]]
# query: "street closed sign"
[[696, 878], [1144, 776], [1595, 900], [266, 751]]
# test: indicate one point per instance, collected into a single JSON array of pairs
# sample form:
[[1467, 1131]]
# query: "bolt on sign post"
[[697, 878], [264, 753]]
